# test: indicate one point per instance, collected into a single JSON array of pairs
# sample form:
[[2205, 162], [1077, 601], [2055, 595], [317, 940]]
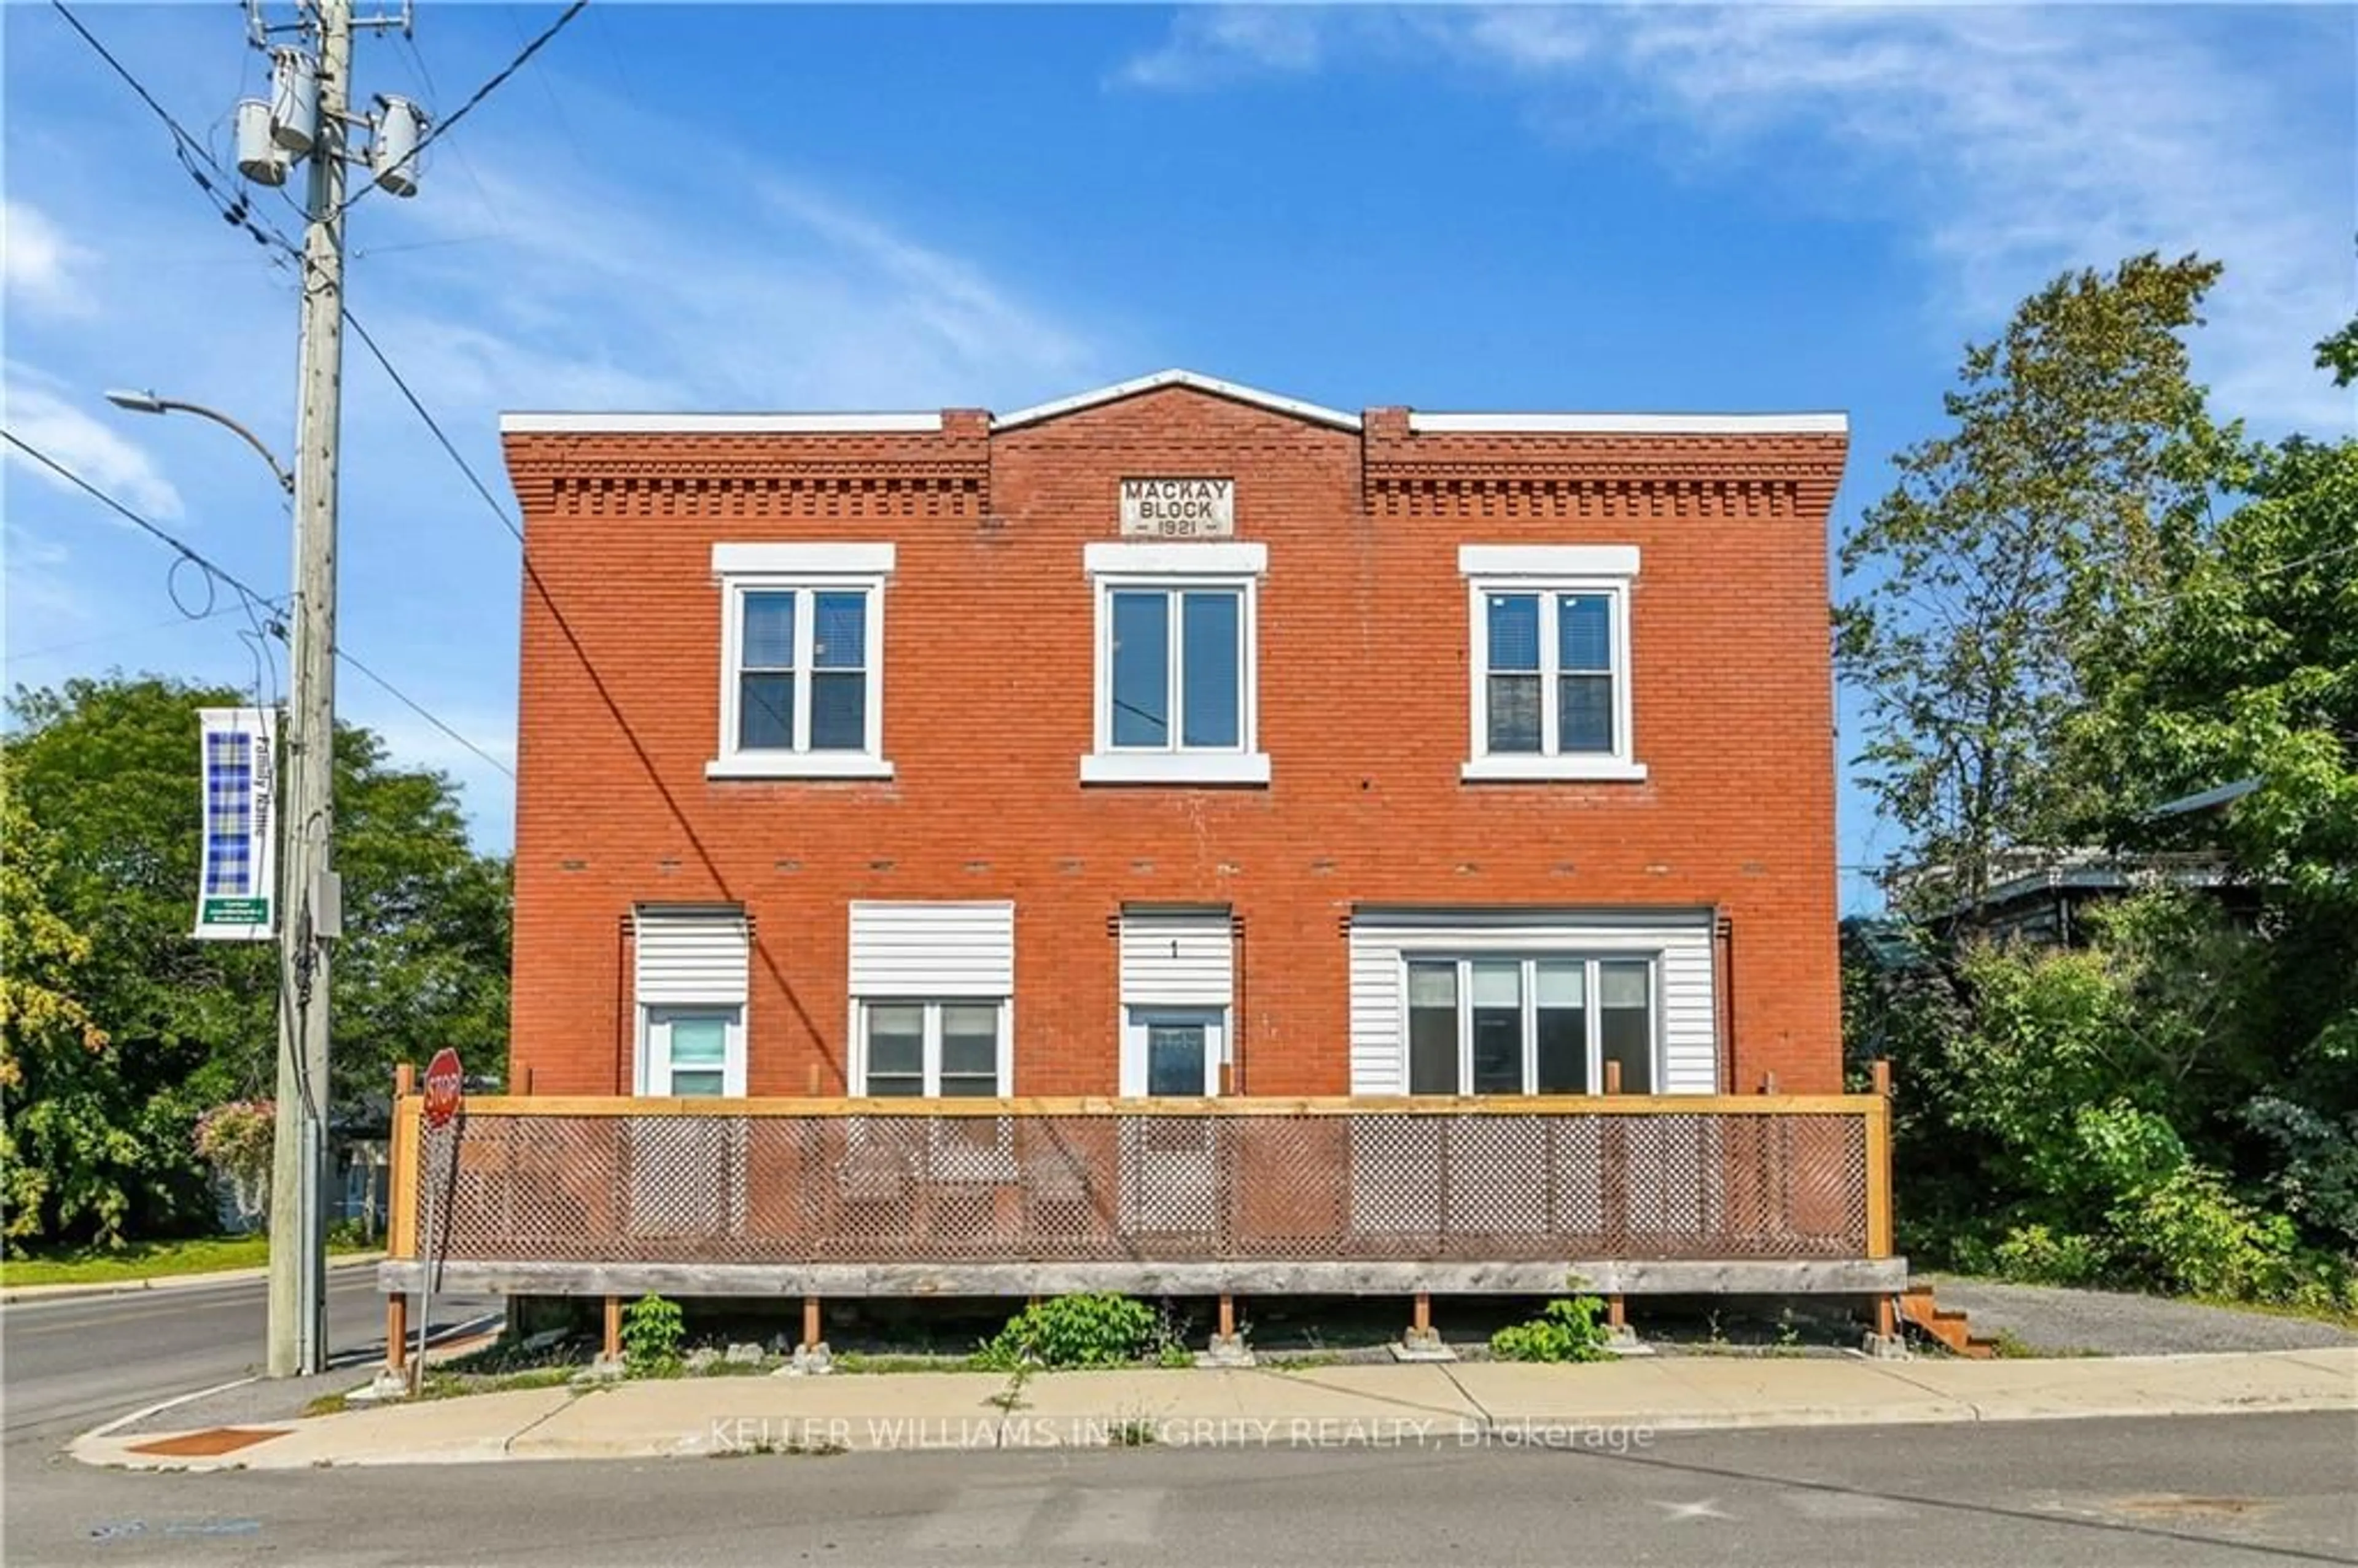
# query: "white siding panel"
[[689, 955], [933, 949], [1681, 943], [1177, 959]]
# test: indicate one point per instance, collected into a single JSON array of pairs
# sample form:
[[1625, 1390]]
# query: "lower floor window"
[[1172, 1051], [932, 1048], [1537, 1026]]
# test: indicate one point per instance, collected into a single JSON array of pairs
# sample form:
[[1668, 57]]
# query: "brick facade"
[[1363, 692]]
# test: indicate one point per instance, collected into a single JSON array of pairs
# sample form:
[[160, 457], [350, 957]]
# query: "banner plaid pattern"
[[228, 815]]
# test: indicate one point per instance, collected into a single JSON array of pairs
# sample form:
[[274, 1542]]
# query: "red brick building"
[[1392, 752]]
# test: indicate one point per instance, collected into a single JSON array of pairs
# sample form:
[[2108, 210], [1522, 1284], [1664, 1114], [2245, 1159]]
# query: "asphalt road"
[[67, 1365], [2233, 1490]]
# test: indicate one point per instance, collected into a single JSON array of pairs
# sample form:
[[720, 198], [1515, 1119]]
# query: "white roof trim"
[[1117, 558], [1162, 378], [718, 424], [797, 558], [1631, 424], [1548, 560]]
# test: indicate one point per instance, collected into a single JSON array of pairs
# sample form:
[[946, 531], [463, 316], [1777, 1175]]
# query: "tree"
[[2072, 477], [64, 1152], [2251, 672], [107, 769]]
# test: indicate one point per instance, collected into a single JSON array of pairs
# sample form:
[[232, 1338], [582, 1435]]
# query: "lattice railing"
[[1108, 1181]]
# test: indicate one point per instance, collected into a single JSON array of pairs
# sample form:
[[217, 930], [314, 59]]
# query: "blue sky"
[[803, 207]]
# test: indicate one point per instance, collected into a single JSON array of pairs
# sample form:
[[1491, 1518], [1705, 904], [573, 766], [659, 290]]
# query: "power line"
[[250, 597], [435, 427], [234, 207], [444, 126], [209, 569], [50, 650], [420, 709]]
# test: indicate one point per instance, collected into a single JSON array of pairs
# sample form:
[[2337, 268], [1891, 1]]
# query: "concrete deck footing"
[[1226, 1350], [809, 1361], [1423, 1345]]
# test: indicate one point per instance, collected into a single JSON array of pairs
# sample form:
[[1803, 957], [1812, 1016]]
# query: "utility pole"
[[310, 898], [309, 114]]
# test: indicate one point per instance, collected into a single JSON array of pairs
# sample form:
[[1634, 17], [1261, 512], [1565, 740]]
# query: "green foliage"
[[2063, 485], [1097, 1329], [1566, 1330], [102, 876], [2317, 1164], [72, 1152], [2060, 1115], [653, 1327]]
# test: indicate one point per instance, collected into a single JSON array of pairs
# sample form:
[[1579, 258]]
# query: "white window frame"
[[1656, 1051], [805, 570], [1137, 1017], [930, 1055], [654, 1063], [1173, 569], [1553, 573]]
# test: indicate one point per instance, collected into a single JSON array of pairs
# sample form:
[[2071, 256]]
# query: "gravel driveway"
[[2057, 1322]]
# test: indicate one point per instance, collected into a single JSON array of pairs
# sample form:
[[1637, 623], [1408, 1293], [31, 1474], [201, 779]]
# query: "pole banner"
[[237, 881]]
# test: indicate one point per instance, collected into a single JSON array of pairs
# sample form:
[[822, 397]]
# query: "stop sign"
[[443, 1082]]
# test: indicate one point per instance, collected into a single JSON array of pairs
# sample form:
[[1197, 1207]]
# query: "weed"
[[652, 1328], [1565, 1330], [1098, 1329]]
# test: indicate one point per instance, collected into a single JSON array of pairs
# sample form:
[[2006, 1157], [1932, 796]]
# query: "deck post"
[[1880, 1240], [1229, 1348], [811, 1356], [1420, 1343], [1612, 1077], [614, 1329], [396, 1332], [399, 1211]]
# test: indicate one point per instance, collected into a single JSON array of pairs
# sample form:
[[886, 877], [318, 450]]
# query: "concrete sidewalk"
[[10, 1294], [1464, 1404]]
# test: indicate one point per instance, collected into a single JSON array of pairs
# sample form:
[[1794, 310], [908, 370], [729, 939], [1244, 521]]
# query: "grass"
[[2337, 1316], [139, 1260]]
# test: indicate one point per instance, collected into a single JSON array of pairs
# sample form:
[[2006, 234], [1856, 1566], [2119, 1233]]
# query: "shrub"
[[652, 1330], [1565, 1330], [2039, 1256], [1098, 1329]]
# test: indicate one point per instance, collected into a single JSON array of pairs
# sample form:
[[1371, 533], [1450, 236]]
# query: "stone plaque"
[[1179, 508]]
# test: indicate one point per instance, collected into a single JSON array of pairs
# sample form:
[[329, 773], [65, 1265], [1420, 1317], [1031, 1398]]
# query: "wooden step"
[[1949, 1328]]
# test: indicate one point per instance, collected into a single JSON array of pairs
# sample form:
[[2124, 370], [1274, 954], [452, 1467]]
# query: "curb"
[[1570, 1433], [456, 1339], [29, 1295]]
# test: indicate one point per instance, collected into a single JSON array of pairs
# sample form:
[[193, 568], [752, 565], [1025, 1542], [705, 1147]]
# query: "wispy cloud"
[[41, 268], [37, 411], [551, 260], [2012, 143], [1210, 45]]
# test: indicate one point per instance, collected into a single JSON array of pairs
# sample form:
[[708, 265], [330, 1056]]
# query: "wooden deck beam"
[[1824, 1276]]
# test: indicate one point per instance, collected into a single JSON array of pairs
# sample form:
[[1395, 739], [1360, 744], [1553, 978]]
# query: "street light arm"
[[148, 403]]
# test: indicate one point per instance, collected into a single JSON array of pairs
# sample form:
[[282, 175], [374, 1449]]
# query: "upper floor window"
[[802, 687], [1177, 664], [1551, 665]]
